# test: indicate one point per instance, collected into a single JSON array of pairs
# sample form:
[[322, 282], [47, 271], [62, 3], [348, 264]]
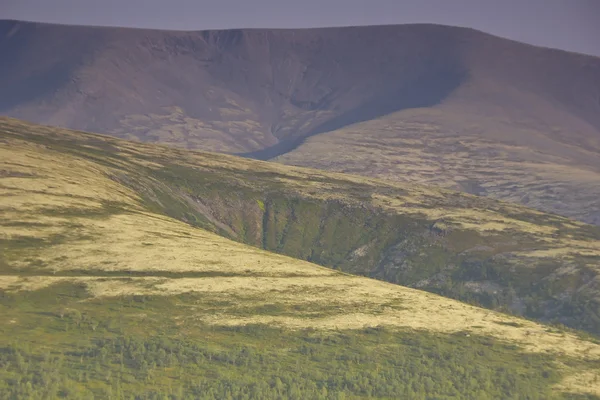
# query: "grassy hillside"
[[454, 149], [499, 255], [103, 295]]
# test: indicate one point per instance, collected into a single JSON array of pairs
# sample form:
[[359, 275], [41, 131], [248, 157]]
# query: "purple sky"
[[567, 24]]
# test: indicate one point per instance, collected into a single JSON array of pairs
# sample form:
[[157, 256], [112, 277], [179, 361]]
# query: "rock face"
[[433, 104]]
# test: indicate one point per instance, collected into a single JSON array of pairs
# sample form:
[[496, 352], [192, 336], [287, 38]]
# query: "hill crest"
[[504, 119]]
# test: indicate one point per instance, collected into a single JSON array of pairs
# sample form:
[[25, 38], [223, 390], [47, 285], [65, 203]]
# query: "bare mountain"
[[448, 106]]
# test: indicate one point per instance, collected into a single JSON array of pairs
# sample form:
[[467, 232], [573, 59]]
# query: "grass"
[[79, 344], [321, 217], [100, 247], [491, 158]]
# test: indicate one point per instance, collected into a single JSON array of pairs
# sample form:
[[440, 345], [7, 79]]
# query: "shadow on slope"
[[35, 81], [431, 88]]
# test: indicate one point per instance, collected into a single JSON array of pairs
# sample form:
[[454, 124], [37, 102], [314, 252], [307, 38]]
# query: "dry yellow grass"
[[150, 242], [581, 382], [128, 238], [42, 178], [56, 173], [46, 181], [352, 303]]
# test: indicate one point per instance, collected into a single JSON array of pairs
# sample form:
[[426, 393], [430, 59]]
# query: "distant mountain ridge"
[[476, 112]]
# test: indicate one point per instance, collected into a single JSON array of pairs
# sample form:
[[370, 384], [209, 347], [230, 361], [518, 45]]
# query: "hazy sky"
[[567, 24]]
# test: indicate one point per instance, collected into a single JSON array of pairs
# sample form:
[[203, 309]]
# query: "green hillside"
[[118, 280], [496, 254]]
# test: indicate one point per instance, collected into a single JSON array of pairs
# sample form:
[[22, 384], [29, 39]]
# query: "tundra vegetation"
[[137, 271]]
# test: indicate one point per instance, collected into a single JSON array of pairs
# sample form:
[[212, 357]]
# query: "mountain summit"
[[433, 104]]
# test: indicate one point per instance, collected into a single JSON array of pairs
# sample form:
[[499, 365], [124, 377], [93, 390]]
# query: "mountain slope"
[[235, 91], [370, 100], [460, 152], [109, 298], [495, 254], [270, 87]]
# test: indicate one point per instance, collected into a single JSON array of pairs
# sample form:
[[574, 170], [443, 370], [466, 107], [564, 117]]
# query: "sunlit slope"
[[486, 156], [494, 254], [76, 242]]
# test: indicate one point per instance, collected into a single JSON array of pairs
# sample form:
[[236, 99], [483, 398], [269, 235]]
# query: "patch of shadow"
[[15, 174], [432, 87], [36, 81], [509, 323], [472, 187], [593, 218], [223, 40]]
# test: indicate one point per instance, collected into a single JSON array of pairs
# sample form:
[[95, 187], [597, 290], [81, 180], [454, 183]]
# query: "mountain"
[[419, 103], [460, 152], [114, 281]]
